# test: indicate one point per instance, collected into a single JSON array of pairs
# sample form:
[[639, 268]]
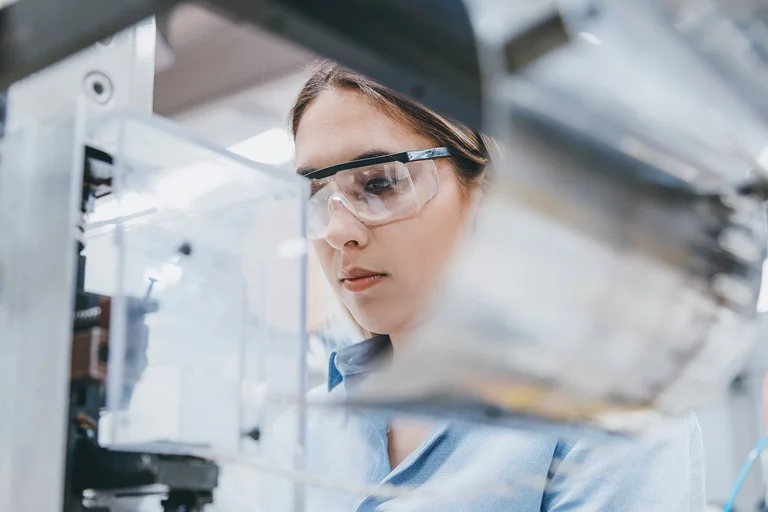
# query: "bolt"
[[152, 282], [98, 87], [254, 433]]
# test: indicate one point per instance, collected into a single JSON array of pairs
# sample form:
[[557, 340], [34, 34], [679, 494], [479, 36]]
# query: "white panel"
[[41, 161]]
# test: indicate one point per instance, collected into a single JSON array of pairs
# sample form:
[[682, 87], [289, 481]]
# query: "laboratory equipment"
[[178, 251], [631, 296], [625, 230]]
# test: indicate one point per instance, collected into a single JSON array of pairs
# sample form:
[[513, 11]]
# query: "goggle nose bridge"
[[336, 197]]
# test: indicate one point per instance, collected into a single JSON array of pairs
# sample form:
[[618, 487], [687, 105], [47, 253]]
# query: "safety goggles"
[[375, 190]]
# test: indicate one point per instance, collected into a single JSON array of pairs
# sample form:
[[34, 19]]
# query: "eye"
[[380, 184]]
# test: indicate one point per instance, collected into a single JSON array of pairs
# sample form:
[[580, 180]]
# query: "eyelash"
[[390, 182]]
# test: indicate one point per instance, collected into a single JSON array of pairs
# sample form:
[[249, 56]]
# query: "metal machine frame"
[[42, 155], [408, 48]]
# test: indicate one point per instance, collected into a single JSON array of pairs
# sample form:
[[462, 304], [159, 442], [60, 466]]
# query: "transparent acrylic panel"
[[203, 253]]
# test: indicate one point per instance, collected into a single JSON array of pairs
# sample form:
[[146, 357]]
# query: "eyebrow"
[[373, 153]]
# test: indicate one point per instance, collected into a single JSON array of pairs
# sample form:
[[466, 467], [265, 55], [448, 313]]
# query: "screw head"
[[98, 87], [185, 249]]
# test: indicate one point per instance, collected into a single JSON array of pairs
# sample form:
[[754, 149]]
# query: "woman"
[[394, 186]]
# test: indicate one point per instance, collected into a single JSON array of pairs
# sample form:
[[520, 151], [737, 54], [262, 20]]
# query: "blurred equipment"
[[612, 279], [625, 233], [187, 482]]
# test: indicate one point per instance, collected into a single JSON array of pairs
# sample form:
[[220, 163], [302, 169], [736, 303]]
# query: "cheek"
[[443, 220], [426, 242], [324, 255]]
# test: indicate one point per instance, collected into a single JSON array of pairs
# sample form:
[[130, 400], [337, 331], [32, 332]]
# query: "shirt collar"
[[354, 362]]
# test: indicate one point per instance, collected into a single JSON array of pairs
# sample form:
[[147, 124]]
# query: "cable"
[[750, 460]]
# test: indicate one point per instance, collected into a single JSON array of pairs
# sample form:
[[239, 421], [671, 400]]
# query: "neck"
[[397, 340]]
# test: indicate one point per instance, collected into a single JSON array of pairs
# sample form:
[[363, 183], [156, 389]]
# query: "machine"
[[625, 227]]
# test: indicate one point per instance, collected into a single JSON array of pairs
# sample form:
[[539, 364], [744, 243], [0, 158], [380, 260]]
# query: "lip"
[[359, 279]]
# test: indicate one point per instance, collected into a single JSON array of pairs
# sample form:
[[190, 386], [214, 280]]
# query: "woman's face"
[[408, 256]]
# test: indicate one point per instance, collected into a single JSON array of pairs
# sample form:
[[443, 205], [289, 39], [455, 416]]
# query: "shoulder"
[[661, 471], [679, 434]]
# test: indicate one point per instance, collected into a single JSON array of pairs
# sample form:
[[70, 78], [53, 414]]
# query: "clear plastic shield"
[[203, 254]]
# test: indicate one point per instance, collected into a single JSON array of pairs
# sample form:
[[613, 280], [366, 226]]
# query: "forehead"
[[340, 125]]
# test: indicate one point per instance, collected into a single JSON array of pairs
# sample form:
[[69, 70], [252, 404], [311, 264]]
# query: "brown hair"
[[469, 148]]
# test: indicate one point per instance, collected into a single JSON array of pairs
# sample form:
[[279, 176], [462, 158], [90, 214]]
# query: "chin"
[[375, 322], [371, 319], [375, 326], [385, 315]]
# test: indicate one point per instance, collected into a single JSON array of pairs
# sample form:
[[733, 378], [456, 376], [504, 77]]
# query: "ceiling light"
[[273, 146]]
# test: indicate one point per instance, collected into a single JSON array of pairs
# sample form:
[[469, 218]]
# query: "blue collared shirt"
[[487, 469]]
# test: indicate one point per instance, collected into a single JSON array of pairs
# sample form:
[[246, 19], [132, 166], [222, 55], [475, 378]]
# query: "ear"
[[477, 195], [472, 206]]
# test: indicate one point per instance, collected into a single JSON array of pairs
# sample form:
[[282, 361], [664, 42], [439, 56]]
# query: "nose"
[[345, 231]]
